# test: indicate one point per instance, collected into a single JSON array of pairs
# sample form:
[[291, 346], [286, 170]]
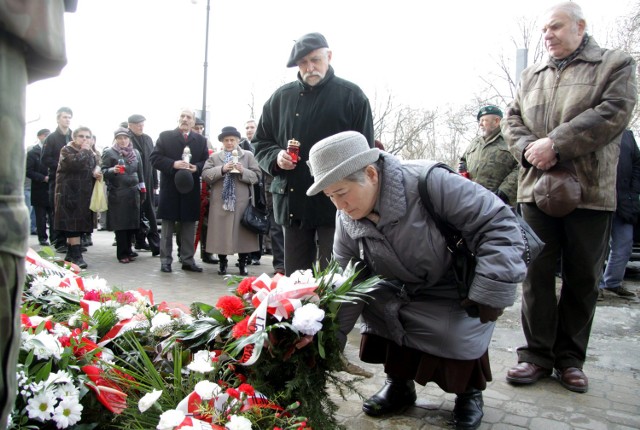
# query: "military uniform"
[[491, 165], [31, 48]]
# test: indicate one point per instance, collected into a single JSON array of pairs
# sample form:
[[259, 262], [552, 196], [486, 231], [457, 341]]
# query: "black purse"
[[255, 219], [464, 260]]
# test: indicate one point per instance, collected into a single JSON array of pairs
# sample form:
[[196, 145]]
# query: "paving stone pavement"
[[613, 400]]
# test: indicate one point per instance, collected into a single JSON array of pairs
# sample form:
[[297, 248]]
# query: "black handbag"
[[255, 219], [464, 260]]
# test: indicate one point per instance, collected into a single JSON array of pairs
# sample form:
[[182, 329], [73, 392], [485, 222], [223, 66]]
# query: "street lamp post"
[[206, 64]]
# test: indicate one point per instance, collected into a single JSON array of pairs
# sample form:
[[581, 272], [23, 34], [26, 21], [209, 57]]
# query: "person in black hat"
[[317, 105], [231, 178], [488, 159], [176, 150], [144, 145]]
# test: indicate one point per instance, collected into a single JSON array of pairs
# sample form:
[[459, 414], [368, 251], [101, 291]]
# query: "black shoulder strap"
[[451, 235]]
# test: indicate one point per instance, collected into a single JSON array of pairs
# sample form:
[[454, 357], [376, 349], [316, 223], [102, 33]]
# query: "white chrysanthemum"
[[148, 400], [126, 312], [97, 284], [161, 324], [38, 286], [302, 277], [60, 330], [59, 377], [68, 412], [336, 279], [45, 346], [237, 422], [40, 407], [66, 390], [170, 419], [207, 390], [201, 362], [53, 281], [308, 319]]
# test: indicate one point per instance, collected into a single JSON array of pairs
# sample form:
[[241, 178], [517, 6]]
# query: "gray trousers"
[[187, 241], [304, 246], [557, 329]]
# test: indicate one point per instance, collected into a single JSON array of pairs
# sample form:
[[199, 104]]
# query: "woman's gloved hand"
[[485, 313]]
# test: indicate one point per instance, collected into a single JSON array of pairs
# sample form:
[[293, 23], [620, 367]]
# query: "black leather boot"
[[76, 256], [394, 395], [243, 260], [223, 265], [467, 413]]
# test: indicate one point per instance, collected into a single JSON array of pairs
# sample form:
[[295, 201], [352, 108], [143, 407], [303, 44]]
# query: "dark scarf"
[[561, 64], [126, 152], [228, 187]]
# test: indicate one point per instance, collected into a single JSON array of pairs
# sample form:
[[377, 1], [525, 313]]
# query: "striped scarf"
[[228, 188]]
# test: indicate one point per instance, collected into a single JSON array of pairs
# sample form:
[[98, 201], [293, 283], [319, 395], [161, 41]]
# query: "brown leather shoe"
[[526, 373], [573, 379]]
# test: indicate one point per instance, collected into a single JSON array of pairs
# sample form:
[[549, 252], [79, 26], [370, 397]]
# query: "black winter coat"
[[144, 145], [123, 195], [307, 114], [36, 171], [173, 205], [628, 180], [51, 148]]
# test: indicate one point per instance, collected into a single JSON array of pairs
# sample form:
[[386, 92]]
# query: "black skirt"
[[453, 376]]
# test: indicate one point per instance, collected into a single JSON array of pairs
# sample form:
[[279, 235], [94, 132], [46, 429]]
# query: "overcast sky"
[[146, 56]]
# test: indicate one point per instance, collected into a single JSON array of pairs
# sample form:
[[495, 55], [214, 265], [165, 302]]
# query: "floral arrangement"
[[95, 357]]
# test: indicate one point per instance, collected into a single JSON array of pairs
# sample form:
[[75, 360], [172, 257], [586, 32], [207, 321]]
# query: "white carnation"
[[148, 400], [170, 419], [308, 319], [237, 422], [207, 390]]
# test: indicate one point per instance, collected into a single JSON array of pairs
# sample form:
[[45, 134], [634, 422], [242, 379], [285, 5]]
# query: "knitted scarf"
[[228, 188], [126, 152], [561, 64]]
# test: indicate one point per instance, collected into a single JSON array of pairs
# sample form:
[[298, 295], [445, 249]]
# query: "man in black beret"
[[488, 159], [316, 105], [144, 144], [175, 150]]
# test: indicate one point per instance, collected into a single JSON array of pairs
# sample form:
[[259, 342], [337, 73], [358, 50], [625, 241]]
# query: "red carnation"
[[245, 285], [241, 329], [92, 295], [230, 306], [232, 392], [247, 389]]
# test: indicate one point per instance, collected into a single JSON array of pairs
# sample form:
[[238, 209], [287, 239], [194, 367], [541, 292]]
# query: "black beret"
[[43, 131], [184, 181], [304, 45], [229, 131], [136, 118], [489, 110]]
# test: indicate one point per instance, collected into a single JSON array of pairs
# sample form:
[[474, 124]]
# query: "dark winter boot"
[[76, 256], [467, 413], [393, 396], [243, 259], [223, 264]]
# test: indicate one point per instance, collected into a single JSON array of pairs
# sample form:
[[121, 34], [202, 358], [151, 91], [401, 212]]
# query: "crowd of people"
[[332, 192]]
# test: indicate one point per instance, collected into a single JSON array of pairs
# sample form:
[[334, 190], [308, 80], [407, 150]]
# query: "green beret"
[[489, 110]]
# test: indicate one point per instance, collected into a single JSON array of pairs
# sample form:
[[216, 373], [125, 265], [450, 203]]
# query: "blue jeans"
[[621, 244]]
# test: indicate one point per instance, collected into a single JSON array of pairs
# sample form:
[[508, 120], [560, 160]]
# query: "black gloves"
[[485, 313]]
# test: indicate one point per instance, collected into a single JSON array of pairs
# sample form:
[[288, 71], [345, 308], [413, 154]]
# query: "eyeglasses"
[[84, 136]]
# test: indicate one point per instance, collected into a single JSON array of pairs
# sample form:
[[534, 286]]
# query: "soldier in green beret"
[[488, 159]]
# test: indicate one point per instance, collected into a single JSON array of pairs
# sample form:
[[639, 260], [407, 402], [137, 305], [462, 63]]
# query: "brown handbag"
[[557, 191]]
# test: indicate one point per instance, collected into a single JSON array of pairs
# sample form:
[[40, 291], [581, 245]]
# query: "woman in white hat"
[[414, 322]]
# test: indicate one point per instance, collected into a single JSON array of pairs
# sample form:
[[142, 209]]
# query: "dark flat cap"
[[121, 131], [489, 110], [304, 45], [184, 181], [199, 121], [136, 118], [43, 131], [229, 131]]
